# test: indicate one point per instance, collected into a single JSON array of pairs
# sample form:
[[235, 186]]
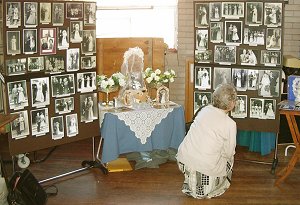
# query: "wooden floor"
[[251, 183]]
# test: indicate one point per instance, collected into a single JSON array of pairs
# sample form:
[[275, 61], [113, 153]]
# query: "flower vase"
[[107, 91]]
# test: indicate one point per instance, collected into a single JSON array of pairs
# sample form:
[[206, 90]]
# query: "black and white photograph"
[[273, 14], [40, 92], [35, 64], [162, 95], [30, 14], [76, 28], [88, 62], [63, 38], [58, 14], [57, 127], [201, 15], [269, 109], [239, 78], [202, 77], [54, 64], [203, 56], [254, 36], [73, 58], [254, 13], [2, 111], [216, 32], [201, 39], [64, 105], [13, 42], [201, 99], [1, 36], [45, 13], [240, 108], [256, 108], [221, 76], [225, 54], [88, 45], [29, 41], [248, 56], [20, 127], [233, 10], [72, 125], [16, 66], [74, 10], [39, 122], [13, 14], [17, 95], [86, 82], [270, 58], [269, 83], [215, 10], [88, 107], [62, 85], [89, 13], [47, 41], [253, 77], [273, 39], [233, 32]]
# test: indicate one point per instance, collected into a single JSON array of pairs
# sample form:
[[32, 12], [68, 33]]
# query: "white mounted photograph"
[[57, 127], [86, 82], [88, 107], [30, 41], [90, 13], [273, 39], [64, 105], [54, 64], [233, 32], [88, 45], [201, 15], [39, 122], [202, 77], [239, 78], [30, 14], [256, 108], [273, 14], [252, 79], [225, 54], [201, 99], [62, 85], [203, 56], [35, 64], [76, 28], [17, 95], [58, 14], [63, 38], [254, 13], [215, 10], [13, 14], [73, 58], [72, 125], [240, 108], [269, 109], [270, 58], [40, 95], [45, 13], [74, 10], [19, 128], [13, 42], [254, 36], [216, 32], [16, 66], [233, 10], [88, 62], [248, 56], [201, 39], [221, 75], [269, 83]]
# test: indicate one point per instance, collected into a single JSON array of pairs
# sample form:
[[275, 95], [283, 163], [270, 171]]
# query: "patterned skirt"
[[202, 186]]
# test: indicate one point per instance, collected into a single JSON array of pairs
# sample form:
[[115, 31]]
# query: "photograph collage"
[[55, 41], [239, 43]]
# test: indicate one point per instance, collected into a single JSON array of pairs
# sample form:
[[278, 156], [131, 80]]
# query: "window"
[[138, 18]]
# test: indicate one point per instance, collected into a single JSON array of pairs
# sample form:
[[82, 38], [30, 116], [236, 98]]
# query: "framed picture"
[[162, 95], [64, 105], [20, 127], [47, 41], [88, 107], [72, 125], [269, 110], [201, 14], [233, 32], [215, 10], [88, 62], [293, 88], [30, 14], [254, 36], [40, 95], [202, 77], [39, 122], [201, 39], [17, 95], [13, 42], [239, 78], [16, 66], [240, 108], [29, 41], [216, 32], [225, 54], [74, 10], [252, 79], [88, 45], [86, 82], [35, 64], [270, 58], [63, 37], [273, 39], [13, 14], [76, 28], [62, 85], [45, 13], [89, 13], [221, 75], [256, 108], [248, 56], [54, 64], [57, 127], [254, 13], [273, 14], [268, 83], [73, 58], [203, 56], [58, 14], [233, 10], [201, 99]]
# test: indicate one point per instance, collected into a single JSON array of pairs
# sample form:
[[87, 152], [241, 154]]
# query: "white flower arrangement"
[[157, 76], [116, 80]]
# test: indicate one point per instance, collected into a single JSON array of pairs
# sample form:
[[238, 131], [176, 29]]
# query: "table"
[[5, 119], [290, 116], [118, 138]]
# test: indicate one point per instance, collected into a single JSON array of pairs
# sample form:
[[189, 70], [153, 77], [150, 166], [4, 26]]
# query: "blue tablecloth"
[[119, 139]]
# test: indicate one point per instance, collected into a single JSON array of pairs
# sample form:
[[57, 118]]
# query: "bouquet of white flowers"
[[158, 77], [116, 80]]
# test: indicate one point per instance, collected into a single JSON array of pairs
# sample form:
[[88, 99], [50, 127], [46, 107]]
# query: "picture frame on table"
[[201, 99], [86, 82], [19, 128], [30, 14], [62, 85], [225, 54], [45, 13], [88, 45], [239, 78], [293, 88], [254, 36], [90, 13], [162, 95], [58, 14], [273, 14], [201, 39], [39, 122], [233, 32], [254, 13], [63, 36], [256, 108], [47, 41], [40, 92], [64, 105], [30, 41], [221, 75], [88, 62], [201, 15], [270, 58], [252, 79], [216, 32], [88, 107], [73, 59], [13, 42], [240, 108], [248, 56], [215, 10], [57, 127], [16, 66], [54, 64], [17, 95], [202, 77], [203, 56], [74, 10], [13, 14], [233, 10], [76, 28], [35, 64], [72, 125], [273, 39]]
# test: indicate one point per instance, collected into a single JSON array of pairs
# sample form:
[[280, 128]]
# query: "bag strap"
[[53, 192]]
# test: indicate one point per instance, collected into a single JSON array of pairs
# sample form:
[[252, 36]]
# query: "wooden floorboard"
[[251, 183]]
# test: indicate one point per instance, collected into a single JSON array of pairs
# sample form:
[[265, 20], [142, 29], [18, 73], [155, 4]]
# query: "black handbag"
[[24, 189]]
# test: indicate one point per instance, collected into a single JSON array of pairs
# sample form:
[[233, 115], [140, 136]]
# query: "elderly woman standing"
[[206, 155]]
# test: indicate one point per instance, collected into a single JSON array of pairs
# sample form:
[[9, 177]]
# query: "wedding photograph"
[[45, 13], [16, 66], [221, 75], [17, 95], [40, 92], [76, 28], [88, 45], [233, 10], [73, 58], [273, 41], [202, 77], [72, 125], [39, 122], [203, 56], [64, 105], [58, 14], [248, 56], [254, 36], [225, 54], [13, 14], [88, 62], [54, 64], [90, 13], [215, 10], [19, 128], [256, 108], [201, 39], [74, 10], [216, 32], [270, 58], [88, 107], [35, 64], [57, 127], [30, 14], [13, 42], [252, 79], [254, 13], [201, 15], [273, 14], [201, 99], [240, 108], [269, 83], [269, 110], [63, 37], [86, 82], [239, 78], [47, 41], [62, 85], [233, 32], [29, 41]]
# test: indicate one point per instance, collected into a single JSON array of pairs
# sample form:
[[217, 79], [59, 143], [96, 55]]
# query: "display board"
[[49, 67], [241, 43]]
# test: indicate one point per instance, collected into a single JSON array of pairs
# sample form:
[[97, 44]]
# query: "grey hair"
[[223, 96]]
